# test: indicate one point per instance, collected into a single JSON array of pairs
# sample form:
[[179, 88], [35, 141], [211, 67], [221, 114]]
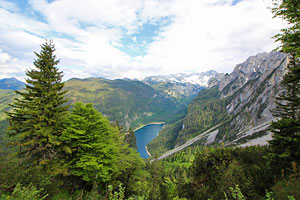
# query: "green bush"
[[27, 193], [288, 188]]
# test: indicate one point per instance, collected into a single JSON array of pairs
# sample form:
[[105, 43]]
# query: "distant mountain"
[[201, 79], [130, 102], [183, 86], [240, 104], [11, 84]]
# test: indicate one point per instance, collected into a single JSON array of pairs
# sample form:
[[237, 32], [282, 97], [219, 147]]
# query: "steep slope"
[[241, 104], [131, 102], [252, 92], [11, 84]]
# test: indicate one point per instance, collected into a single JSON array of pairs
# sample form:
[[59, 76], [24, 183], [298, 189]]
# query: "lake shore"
[[148, 151], [148, 124]]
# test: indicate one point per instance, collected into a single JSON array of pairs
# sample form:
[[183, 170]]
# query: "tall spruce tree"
[[286, 137], [37, 117]]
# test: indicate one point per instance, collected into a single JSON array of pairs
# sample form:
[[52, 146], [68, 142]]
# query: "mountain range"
[[183, 86], [238, 104]]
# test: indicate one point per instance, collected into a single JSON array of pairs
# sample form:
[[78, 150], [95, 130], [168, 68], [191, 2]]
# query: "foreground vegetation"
[[195, 173]]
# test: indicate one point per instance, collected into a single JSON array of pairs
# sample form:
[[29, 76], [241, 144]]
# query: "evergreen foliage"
[[37, 117], [92, 145], [286, 137], [289, 37], [130, 138]]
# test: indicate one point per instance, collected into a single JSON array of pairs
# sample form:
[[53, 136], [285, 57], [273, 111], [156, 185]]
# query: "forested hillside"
[[6, 97], [131, 103]]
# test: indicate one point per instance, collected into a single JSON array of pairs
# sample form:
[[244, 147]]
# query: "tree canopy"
[[93, 144]]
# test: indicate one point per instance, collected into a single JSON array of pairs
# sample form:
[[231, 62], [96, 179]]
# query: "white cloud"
[[203, 35], [214, 36], [4, 58]]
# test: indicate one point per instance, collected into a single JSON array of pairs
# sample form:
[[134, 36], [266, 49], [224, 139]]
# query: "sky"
[[135, 38]]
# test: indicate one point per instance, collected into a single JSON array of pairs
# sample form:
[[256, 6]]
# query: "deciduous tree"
[[92, 144]]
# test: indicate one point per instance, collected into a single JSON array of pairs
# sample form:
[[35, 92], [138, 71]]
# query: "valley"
[[178, 126], [189, 104]]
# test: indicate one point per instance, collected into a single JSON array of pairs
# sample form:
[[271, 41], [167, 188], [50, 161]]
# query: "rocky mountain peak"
[[255, 67], [201, 79], [183, 85]]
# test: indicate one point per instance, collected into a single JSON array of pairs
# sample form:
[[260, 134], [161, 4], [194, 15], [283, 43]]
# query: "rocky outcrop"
[[256, 68], [252, 88], [242, 104]]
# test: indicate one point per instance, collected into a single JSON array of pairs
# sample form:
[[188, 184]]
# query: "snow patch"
[[201, 79]]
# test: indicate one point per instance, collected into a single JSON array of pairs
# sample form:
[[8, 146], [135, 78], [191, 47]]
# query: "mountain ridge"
[[183, 86], [11, 84], [241, 101], [130, 102]]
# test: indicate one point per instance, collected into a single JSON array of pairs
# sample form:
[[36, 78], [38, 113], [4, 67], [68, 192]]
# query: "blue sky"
[[135, 38]]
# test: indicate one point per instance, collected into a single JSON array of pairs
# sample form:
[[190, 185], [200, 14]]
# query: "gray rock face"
[[253, 87], [239, 110], [259, 66]]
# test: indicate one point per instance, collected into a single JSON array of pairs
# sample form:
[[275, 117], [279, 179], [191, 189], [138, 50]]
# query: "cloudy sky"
[[135, 38]]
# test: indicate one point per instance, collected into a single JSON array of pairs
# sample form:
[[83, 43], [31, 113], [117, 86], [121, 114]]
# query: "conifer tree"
[[286, 130], [289, 37], [130, 139], [37, 117]]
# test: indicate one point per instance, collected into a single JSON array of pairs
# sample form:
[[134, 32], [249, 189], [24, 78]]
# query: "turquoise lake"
[[145, 135]]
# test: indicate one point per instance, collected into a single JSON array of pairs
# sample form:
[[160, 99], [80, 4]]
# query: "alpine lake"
[[146, 134]]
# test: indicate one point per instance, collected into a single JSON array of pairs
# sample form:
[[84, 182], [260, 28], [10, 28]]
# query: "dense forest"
[[57, 150]]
